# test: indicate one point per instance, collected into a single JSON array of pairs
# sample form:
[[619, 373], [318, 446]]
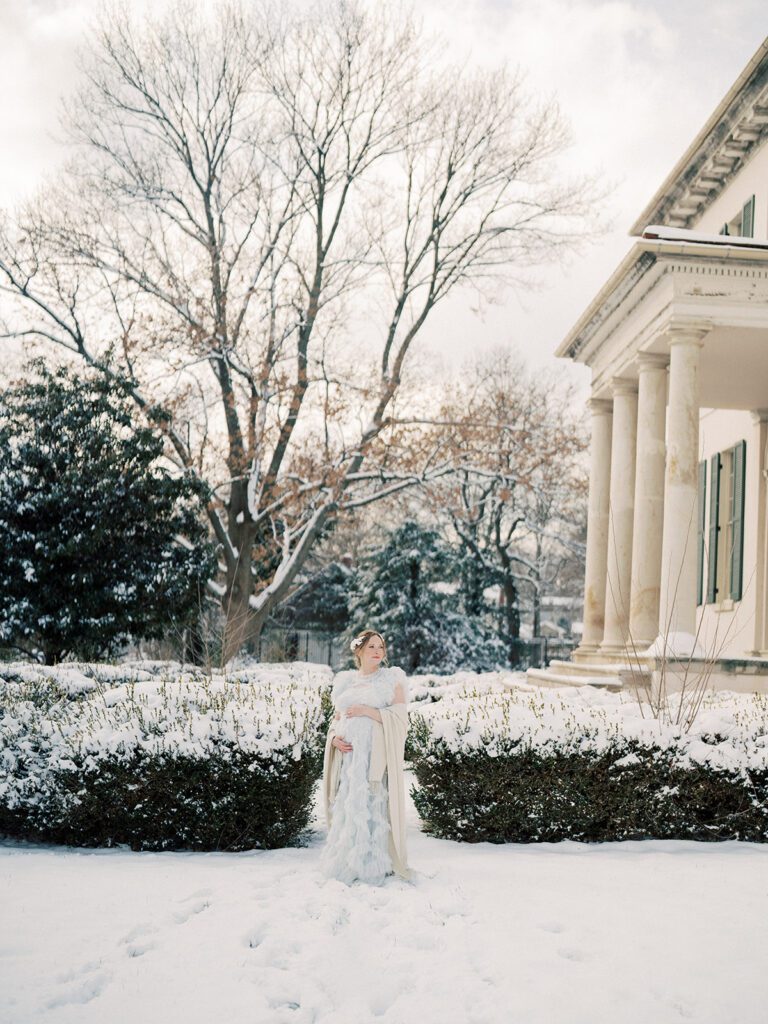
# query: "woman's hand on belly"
[[341, 744], [363, 711]]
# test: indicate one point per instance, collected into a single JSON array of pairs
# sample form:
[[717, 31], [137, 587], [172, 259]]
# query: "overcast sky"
[[636, 81]]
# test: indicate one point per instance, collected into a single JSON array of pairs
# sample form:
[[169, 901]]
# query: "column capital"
[[652, 361], [623, 386], [759, 415], [687, 332], [600, 406]]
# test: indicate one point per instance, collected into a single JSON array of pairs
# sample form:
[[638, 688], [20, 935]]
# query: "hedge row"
[[525, 782], [161, 763]]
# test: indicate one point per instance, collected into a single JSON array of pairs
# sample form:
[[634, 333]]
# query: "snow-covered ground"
[[648, 932]]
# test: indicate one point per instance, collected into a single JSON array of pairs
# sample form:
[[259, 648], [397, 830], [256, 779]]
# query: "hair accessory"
[[357, 642]]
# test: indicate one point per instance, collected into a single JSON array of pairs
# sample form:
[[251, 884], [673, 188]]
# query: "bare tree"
[[243, 184], [513, 496]]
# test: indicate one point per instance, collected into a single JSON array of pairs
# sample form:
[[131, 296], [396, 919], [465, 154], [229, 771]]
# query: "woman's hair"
[[361, 640]]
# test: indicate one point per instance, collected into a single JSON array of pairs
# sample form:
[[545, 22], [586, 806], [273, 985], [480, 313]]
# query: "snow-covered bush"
[[102, 755], [533, 765]]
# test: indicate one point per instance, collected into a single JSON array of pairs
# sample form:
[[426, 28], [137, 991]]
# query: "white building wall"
[[750, 180], [722, 428], [727, 627]]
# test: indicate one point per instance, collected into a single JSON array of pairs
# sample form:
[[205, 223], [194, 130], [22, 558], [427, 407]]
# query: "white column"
[[597, 527], [649, 500], [621, 515], [677, 600]]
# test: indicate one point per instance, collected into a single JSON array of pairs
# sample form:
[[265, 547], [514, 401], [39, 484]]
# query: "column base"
[[584, 652], [638, 648], [612, 650]]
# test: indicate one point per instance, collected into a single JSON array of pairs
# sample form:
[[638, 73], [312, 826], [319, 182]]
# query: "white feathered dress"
[[364, 789]]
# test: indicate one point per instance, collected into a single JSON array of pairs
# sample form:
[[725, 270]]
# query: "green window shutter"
[[714, 526], [739, 455], [701, 538], [748, 218]]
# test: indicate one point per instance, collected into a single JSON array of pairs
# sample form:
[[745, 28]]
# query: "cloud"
[[636, 80], [37, 50]]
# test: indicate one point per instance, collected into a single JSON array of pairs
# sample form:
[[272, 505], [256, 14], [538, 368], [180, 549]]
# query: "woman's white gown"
[[357, 846]]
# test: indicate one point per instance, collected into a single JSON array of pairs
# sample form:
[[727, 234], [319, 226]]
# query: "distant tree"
[[320, 601], [514, 497], [98, 542], [403, 589]]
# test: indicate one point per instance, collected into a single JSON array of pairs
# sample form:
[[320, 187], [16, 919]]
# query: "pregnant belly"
[[355, 728]]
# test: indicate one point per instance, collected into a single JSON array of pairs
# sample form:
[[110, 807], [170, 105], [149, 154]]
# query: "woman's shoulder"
[[394, 672], [342, 680], [396, 676]]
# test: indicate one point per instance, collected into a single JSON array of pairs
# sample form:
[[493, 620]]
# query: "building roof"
[[657, 242], [737, 125]]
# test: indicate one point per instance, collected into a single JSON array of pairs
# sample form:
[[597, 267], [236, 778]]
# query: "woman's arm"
[[365, 710]]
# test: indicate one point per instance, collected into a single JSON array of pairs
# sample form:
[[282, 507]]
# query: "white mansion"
[[677, 342]]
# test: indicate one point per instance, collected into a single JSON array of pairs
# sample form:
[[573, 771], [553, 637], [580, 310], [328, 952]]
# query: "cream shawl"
[[387, 751]]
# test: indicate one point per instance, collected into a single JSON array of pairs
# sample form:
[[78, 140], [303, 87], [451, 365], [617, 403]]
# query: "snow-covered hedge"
[[531, 765], [158, 758]]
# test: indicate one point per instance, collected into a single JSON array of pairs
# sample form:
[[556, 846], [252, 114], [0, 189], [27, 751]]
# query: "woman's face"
[[371, 654]]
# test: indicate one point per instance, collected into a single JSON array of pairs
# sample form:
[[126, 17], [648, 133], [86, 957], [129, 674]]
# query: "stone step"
[[583, 668], [546, 677]]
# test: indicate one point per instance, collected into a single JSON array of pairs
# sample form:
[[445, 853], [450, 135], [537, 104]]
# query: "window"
[[725, 568], [743, 223]]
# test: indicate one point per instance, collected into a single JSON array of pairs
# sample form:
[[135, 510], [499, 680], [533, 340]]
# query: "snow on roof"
[[735, 119], [685, 235]]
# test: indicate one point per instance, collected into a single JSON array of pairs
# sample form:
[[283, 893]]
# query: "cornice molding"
[[625, 288], [737, 127]]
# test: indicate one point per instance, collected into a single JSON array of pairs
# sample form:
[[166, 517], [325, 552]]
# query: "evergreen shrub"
[[539, 768], [160, 762], [399, 590], [102, 540]]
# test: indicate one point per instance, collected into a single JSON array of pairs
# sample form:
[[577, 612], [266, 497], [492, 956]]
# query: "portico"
[[662, 339]]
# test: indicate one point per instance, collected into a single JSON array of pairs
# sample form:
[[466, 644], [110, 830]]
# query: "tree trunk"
[[473, 589], [537, 589], [239, 622], [536, 607], [511, 612], [413, 587], [195, 649], [236, 600], [510, 609]]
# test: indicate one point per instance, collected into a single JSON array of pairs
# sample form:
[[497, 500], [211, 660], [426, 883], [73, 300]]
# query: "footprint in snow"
[[181, 916], [137, 932], [75, 973], [551, 926], [83, 993], [139, 949], [571, 953], [254, 939]]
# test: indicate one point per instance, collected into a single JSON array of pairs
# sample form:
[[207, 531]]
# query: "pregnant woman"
[[363, 786]]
